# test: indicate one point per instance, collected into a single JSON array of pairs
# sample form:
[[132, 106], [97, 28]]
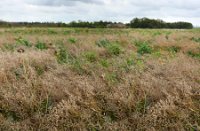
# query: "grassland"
[[99, 79]]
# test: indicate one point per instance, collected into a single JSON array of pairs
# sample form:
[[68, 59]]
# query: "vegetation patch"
[[62, 55], [193, 54], [114, 49], [41, 45], [143, 47], [23, 42], [72, 40], [195, 39], [8, 47], [104, 63], [112, 84], [91, 56], [174, 49], [102, 43]]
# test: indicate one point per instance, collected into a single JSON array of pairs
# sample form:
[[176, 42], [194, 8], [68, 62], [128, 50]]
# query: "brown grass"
[[129, 91]]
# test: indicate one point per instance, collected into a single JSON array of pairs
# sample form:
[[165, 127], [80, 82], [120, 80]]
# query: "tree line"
[[153, 23], [135, 23]]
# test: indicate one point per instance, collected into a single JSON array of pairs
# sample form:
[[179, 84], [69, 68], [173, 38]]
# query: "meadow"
[[81, 79]]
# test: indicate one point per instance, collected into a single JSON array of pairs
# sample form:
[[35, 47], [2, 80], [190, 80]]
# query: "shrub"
[[41, 46]]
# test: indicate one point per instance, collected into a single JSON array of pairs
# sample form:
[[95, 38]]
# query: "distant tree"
[[153, 23], [135, 23]]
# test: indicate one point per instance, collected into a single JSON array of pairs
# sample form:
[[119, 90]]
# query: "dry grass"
[[76, 85]]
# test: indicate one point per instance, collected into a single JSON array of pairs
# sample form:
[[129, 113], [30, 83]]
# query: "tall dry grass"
[[94, 89]]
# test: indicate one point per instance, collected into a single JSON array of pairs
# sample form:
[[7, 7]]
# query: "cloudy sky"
[[94, 10]]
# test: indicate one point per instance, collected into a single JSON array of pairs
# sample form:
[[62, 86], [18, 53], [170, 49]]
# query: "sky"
[[95, 10]]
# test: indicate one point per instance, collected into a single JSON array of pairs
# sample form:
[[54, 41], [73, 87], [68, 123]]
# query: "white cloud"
[[91, 10]]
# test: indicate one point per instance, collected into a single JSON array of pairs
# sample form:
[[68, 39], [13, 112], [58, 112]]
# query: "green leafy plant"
[[77, 66], [67, 32], [114, 49], [195, 39], [103, 43], [104, 63], [51, 31], [21, 41], [144, 48], [62, 55], [41, 46], [72, 40], [193, 54]]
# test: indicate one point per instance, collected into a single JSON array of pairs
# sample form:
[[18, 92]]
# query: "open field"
[[99, 79]]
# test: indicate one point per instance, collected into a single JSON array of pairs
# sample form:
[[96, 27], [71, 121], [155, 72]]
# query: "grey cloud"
[[62, 2], [92, 10]]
